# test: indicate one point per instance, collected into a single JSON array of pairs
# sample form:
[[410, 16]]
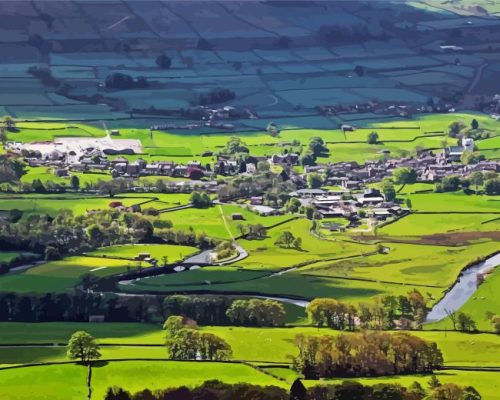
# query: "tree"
[[314, 181], [317, 147], [372, 138], [52, 253], [433, 382], [285, 240], [471, 157], [452, 315], [492, 186], [200, 199], [75, 182], [117, 393], [272, 129], [235, 145], [298, 391], [404, 176], [476, 179], [173, 324], [163, 61], [408, 203], [465, 322], [474, 124], [388, 190], [455, 128], [82, 346]]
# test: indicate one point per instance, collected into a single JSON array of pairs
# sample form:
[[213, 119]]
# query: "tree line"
[[369, 353], [347, 390], [384, 312]]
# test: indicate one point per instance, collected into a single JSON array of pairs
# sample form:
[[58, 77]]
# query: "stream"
[[463, 289]]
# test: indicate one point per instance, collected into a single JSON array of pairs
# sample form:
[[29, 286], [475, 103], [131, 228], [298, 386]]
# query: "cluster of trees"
[[287, 240], [452, 183], [256, 312], [185, 238], [163, 61], [458, 129], [461, 321], [217, 95], [209, 390], [22, 258], [120, 81], [252, 231], [349, 390], [200, 199], [365, 354], [69, 234], [225, 250], [235, 145], [78, 306], [383, 313], [185, 342], [221, 310], [315, 149], [11, 169]]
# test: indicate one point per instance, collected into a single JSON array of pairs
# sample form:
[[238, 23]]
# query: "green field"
[[68, 381], [172, 252], [59, 276]]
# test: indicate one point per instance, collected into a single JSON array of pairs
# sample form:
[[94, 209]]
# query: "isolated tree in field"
[[372, 138], [452, 315], [75, 182], [408, 203], [10, 124], [82, 346], [200, 199], [285, 240], [163, 61], [235, 145], [272, 129], [474, 124]]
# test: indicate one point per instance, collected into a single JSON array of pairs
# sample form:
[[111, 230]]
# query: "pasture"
[[173, 253], [62, 275], [68, 381]]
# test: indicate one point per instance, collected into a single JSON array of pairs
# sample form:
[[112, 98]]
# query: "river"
[[462, 290]]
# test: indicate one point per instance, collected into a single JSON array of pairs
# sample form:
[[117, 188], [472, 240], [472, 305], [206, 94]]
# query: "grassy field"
[[172, 252], [59, 276], [251, 344], [52, 204], [68, 381], [407, 264], [428, 224]]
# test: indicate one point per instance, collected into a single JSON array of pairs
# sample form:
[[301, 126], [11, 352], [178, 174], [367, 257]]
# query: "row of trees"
[[365, 354], [221, 310], [209, 390], [383, 313], [185, 342], [347, 390], [79, 305]]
